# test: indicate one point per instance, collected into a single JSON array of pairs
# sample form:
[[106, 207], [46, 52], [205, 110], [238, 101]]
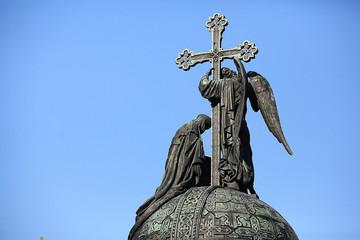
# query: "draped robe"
[[186, 151], [236, 163]]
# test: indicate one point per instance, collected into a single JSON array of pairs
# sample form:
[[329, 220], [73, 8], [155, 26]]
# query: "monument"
[[213, 197]]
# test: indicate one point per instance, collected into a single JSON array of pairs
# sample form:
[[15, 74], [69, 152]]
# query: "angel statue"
[[231, 91]]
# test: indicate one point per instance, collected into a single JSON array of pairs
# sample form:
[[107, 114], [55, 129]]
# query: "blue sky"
[[90, 98]]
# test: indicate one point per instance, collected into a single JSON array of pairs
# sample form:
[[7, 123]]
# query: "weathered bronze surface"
[[185, 167], [231, 91], [231, 163], [199, 201], [215, 213], [187, 59]]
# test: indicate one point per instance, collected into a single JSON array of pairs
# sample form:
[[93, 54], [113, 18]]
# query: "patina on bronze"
[[231, 92], [190, 205], [231, 156], [185, 167], [213, 213], [187, 59]]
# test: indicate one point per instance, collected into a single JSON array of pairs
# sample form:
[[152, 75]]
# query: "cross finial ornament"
[[245, 51]]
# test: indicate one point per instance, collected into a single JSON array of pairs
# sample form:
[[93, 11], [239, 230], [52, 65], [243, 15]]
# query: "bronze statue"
[[187, 59], [231, 91], [185, 167], [196, 200]]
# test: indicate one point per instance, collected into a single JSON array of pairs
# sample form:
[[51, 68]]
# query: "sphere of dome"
[[215, 213]]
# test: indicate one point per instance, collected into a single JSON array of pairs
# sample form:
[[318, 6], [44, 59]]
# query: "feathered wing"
[[267, 106]]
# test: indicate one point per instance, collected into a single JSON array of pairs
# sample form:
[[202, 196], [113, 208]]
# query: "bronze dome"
[[215, 213]]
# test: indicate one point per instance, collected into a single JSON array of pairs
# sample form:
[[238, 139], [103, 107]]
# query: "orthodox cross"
[[187, 59]]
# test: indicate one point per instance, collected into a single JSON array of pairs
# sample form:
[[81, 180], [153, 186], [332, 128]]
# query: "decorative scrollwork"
[[247, 51], [217, 20], [184, 59], [214, 213], [216, 55]]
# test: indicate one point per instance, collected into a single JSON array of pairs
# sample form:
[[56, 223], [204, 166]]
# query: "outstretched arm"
[[209, 89], [205, 79], [242, 77], [241, 70]]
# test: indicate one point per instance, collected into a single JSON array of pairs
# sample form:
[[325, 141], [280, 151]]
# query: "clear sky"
[[90, 97]]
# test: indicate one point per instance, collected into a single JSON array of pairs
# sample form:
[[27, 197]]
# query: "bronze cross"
[[187, 59]]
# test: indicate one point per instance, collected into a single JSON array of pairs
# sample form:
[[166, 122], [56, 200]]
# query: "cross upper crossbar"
[[245, 52]]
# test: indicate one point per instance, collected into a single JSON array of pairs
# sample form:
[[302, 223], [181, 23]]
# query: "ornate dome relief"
[[215, 213]]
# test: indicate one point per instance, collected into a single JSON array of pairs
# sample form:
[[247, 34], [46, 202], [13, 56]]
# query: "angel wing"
[[267, 105]]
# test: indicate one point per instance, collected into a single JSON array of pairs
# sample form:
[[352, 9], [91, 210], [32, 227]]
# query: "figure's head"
[[227, 73], [204, 122]]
